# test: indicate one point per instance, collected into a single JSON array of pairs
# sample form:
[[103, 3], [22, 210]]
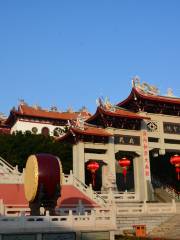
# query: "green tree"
[[16, 148]]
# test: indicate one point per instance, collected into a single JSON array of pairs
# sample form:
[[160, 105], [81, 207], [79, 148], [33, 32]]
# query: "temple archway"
[[97, 175], [125, 182], [161, 168]]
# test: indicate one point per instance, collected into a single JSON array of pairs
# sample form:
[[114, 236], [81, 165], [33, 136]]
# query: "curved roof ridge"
[[24, 109], [89, 130], [136, 92], [155, 97], [118, 112]]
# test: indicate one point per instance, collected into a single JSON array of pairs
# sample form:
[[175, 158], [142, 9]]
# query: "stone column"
[[144, 170], [111, 161], [161, 138], [75, 160], [111, 235], [136, 177], [145, 165], [105, 184], [140, 181], [78, 161]]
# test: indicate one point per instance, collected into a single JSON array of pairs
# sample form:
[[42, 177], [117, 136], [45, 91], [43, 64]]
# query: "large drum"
[[42, 183]]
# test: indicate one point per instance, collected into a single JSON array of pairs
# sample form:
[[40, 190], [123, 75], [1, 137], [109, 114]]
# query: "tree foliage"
[[16, 148]]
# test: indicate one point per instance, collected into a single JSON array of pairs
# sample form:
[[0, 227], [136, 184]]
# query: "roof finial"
[[80, 121], [100, 101], [70, 110], [22, 102], [170, 92], [53, 109], [105, 104], [136, 81], [37, 107]]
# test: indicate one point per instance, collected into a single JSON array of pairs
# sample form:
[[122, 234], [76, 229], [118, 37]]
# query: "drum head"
[[31, 178]]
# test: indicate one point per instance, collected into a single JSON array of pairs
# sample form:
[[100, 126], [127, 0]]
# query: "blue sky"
[[69, 52]]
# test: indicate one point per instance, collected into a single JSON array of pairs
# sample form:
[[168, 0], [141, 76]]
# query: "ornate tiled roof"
[[87, 130], [146, 98], [159, 98], [137, 92], [116, 112], [91, 130], [37, 112]]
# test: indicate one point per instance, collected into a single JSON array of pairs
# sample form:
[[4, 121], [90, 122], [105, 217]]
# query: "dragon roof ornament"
[[145, 87], [78, 123], [105, 104]]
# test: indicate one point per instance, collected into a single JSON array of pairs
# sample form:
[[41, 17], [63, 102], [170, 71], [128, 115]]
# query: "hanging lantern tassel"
[[124, 163], [124, 172], [93, 167], [178, 172], [93, 178]]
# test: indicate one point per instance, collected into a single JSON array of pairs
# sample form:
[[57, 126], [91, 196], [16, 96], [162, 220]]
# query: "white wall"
[[23, 126]]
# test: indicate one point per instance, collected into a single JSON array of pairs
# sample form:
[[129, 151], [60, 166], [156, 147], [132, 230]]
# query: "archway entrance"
[[97, 182], [125, 182], [162, 171]]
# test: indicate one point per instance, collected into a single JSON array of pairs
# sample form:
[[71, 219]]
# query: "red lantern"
[[175, 160], [124, 163], [93, 167]]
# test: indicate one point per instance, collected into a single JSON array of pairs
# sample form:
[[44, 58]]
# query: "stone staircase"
[[86, 190], [125, 206], [164, 192], [170, 229], [149, 214], [11, 175], [162, 220], [162, 196], [150, 221]]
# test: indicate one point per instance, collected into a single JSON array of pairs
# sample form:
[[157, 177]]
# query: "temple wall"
[[159, 119], [27, 126], [109, 171]]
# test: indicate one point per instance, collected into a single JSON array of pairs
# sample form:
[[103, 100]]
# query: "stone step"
[[169, 229]]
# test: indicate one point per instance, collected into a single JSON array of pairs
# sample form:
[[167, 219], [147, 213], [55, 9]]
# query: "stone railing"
[[16, 210], [119, 197], [146, 208], [5, 164], [13, 209], [11, 179], [159, 208], [10, 174], [87, 190], [104, 220], [81, 209]]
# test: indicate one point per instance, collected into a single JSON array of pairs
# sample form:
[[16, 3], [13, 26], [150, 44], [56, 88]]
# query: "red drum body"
[[42, 183]]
